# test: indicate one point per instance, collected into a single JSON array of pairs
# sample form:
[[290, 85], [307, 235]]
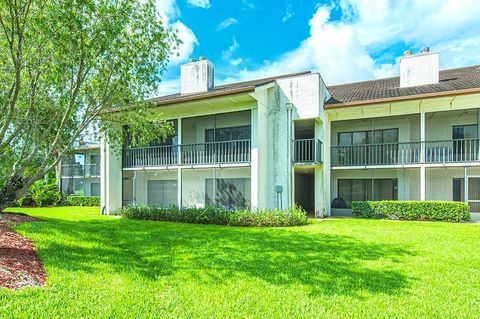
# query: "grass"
[[105, 267]]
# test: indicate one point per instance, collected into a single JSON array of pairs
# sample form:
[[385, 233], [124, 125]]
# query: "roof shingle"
[[172, 98], [450, 80]]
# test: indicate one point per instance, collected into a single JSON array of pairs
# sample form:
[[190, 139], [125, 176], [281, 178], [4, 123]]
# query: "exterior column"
[[111, 179], [179, 161], [326, 167], [254, 160], [422, 157], [422, 137], [103, 180], [465, 185], [179, 187], [422, 183]]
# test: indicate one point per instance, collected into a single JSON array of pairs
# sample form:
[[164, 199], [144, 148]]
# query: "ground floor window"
[[73, 186], [473, 199], [227, 192], [162, 193], [95, 189], [365, 189]]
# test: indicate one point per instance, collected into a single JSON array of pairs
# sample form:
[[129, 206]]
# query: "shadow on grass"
[[324, 264]]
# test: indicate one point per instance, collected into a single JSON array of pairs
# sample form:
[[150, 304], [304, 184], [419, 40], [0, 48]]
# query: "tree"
[[66, 63]]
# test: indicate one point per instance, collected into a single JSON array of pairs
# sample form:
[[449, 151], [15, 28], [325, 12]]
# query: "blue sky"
[[345, 40]]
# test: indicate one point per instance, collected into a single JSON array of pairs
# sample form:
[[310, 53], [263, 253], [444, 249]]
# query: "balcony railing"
[[78, 170], [225, 152], [307, 151], [429, 152]]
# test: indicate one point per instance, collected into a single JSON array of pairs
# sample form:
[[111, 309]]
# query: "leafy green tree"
[[66, 63]]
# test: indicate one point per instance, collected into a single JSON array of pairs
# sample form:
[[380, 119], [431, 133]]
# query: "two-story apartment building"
[[291, 139], [79, 173]]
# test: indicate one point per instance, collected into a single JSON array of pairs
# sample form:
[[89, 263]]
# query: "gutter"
[[190, 98], [402, 98]]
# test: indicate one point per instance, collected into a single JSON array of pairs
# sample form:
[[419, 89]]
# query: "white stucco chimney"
[[196, 76], [419, 69]]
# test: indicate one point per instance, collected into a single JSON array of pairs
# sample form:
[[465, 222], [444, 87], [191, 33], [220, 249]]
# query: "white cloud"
[[288, 14], [169, 87], [205, 4], [226, 23], [346, 50], [227, 54], [169, 12], [248, 4], [235, 62], [185, 49]]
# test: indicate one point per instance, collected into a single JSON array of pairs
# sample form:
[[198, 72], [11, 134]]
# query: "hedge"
[[81, 201], [413, 210], [218, 216]]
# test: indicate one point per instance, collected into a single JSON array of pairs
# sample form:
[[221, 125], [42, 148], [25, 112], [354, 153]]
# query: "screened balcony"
[[404, 153], [225, 152], [80, 170]]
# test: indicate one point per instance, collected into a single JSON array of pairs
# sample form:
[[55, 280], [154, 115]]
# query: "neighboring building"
[[80, 171], [290, 139]]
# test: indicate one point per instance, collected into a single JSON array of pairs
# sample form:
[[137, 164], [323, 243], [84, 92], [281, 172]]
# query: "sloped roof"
[[450, 80], [222, 89]]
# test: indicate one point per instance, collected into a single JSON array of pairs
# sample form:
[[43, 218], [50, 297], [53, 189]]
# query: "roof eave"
[[401, 98]]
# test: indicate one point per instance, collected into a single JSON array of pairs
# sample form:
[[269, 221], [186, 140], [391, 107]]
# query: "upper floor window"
[[383, 136], [465, 131], [228, 134]]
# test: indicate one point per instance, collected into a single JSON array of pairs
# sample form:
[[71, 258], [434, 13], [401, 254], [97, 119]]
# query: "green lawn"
[[112, 268]]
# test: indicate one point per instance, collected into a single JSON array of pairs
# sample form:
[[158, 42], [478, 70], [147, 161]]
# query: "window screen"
[[162, 193], [367, 189], [227, 192]]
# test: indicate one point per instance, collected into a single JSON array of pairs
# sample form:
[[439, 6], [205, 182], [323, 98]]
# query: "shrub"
[[81, 201], [412, 210], [218, 216], [44, 192], [294, 216]]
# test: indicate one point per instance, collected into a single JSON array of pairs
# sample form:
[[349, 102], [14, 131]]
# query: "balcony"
[[78, 170], [405, 153], [307, 151], [212, 153]]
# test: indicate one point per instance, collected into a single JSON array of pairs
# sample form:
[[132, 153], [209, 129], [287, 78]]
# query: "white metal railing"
[[307, 151], [79, 170], [224, 152], [446, 151]]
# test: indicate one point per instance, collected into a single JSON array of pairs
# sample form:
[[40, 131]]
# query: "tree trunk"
[[9, 192]]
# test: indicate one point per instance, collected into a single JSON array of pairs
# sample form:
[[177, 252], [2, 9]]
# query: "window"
[[94, 159], [464, 131], [365, 137], [365, 189], [385, 150], [458, 190], [162, 193], [465, 145], [95, 189], [228, 192], [473, 192], [228, 134]]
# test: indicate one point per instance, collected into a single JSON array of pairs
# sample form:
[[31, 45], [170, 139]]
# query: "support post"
[[465, 185], [179, 187], [422, 137], [254, 162], [422, 158], [422, 183], [179, 162]]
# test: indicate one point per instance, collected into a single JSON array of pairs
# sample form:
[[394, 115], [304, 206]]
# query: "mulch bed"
[[19, 264]]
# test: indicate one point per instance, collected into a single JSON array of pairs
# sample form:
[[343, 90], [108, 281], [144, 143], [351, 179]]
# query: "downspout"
[[104, 177], [289, 155]]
